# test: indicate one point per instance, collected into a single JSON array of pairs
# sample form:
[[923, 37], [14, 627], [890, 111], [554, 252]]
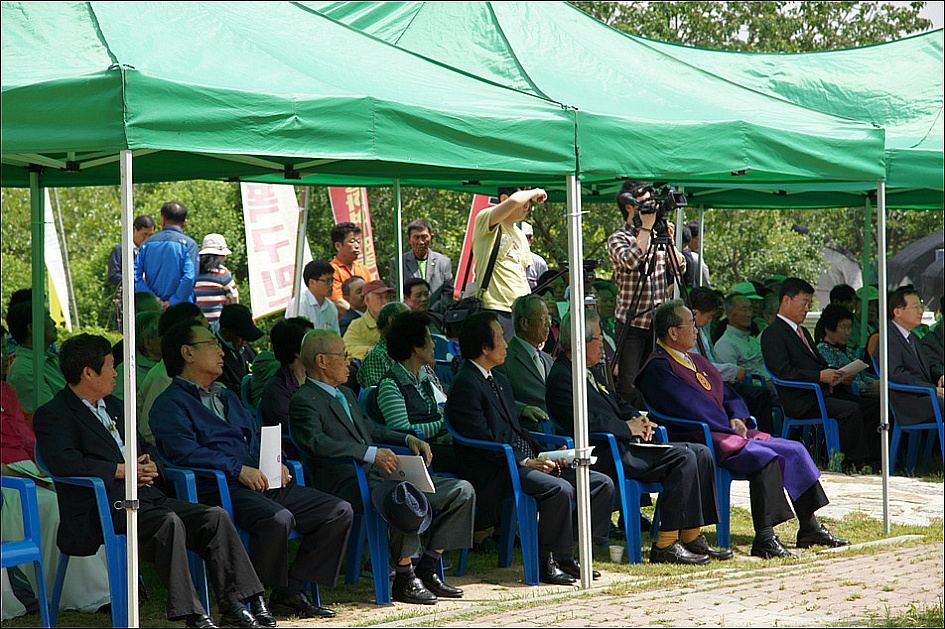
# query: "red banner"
[[466, 272], [351, 205]]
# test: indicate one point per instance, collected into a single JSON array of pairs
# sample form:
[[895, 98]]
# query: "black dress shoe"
[[677, 553], [410, 589], [297, 604], [200, 621], [239, 617], [820, 537], [770, 548], [700, 546], [573, 567], [550, 573], [646, 524], [258, 608], [439, 587]]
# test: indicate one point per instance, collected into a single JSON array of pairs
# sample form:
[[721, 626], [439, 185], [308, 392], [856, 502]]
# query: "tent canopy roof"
[[217, 90]]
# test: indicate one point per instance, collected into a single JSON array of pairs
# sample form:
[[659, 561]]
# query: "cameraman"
[[643, 281]]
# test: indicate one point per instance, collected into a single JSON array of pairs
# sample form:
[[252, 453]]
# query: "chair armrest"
[[97, 485], [218, 477], [297, 471], [29, 506], [184, 481]]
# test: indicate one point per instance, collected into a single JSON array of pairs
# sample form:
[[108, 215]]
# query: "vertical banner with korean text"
[[351, 205], [271, 215], [465, 274]]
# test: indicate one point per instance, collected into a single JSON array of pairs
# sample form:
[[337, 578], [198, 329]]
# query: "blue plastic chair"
[[29, 549], [116, 547], [444, 358], [519, 508], [830, 426], [723, 478], [777, 413], [915, 431]]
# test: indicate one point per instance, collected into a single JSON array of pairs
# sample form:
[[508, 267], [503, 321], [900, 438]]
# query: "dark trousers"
[[454, 508], [555, 495], [687, 472], [637, 346], [856, 415], [769, 506], [168, 528], [323, 520]]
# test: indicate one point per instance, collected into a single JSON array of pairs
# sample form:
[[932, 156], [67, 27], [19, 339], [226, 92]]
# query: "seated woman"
[[408, 397], [838, 325]]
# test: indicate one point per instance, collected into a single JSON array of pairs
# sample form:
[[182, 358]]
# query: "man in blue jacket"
[[198, 423], [167, 262]]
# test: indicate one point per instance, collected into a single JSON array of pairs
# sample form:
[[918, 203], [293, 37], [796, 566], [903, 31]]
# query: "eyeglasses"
[[326, 280], [331, 354], [691, 324], [594, 338], [805, 303], [546, 319], [214, 341]]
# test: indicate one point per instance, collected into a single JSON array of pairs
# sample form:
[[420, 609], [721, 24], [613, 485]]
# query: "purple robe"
[[674, 390]]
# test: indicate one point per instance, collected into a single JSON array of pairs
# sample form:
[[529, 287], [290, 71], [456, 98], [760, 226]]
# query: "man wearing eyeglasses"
[[314, 302], [199, 424], [790, 354], [905, 362]]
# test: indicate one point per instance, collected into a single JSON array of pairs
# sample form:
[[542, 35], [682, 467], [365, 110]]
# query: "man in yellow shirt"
[[363, 334]]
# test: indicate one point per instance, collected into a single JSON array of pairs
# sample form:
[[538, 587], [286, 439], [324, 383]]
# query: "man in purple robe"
[[678, 383]]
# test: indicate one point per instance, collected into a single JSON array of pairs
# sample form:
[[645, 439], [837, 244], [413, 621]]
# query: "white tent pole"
[[579, 379], [865, 272], [398, 263], [300, 242], [61, 232], [680, 218], [131, 420], [699, 274], [883, 351]]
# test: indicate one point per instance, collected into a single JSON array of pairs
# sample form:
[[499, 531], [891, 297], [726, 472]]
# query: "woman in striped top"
[[215, 287]]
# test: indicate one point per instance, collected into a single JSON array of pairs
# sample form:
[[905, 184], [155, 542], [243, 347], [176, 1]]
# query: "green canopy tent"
[[551, 49], [222, 91]]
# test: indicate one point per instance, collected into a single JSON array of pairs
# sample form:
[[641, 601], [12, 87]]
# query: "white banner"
[[56, 271], [271, 214]]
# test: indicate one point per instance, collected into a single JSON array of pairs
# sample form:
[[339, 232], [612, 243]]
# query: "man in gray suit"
[[905, 362], [326, 420], [526, 365], [421, 262]]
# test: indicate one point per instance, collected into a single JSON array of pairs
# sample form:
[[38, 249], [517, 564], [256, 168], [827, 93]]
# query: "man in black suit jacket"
[[81, 433], [426, 264], [481, 406], [687, 471], [905, 362], [327, 423], [790, 354]]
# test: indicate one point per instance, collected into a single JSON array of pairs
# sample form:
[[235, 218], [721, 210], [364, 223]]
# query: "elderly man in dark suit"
[[687, 471], [426, 264], [527, 366], [790, 354], [199, 423], [327, 423], [481, 406], [905, 362], [81, 433]]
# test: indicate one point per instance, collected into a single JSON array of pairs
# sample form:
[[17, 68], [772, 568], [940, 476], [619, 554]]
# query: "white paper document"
[[413, 469], [850, 369], [568, 455], [270, 455]]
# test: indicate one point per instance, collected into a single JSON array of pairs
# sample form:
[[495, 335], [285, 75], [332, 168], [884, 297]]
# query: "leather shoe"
[[200, 621], [410, 589], [258, 608], [646, 524], [820, 537], [573, 567], [239, 617], [677, 553], [700, 546], [770, 548], [439, 587], [297, 604], [550, 573]]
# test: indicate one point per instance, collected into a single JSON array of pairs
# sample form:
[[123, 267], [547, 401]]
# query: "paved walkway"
[[827, 587]]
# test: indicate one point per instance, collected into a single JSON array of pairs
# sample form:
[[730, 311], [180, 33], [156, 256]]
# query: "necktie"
[[344, 403], [539, 365], [800, 333], [591, 379]]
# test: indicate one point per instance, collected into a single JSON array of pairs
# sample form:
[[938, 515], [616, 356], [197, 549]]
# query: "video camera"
[[660, 201]]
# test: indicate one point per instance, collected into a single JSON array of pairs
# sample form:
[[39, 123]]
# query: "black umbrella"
[[920, 263]]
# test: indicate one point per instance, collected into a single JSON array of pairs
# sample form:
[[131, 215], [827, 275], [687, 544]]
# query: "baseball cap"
[[869, 292], [746, 289], [237, 318], [376, 286], [214, 244]]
